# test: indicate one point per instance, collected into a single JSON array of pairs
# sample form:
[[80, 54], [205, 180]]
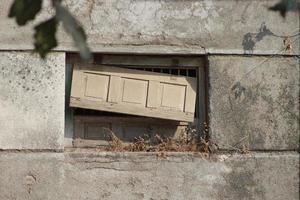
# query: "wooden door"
[[133, 92]]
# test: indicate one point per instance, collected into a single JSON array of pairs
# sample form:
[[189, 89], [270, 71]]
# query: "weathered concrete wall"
[[31, 101], [168, 26], [143, 176], [254, 101]]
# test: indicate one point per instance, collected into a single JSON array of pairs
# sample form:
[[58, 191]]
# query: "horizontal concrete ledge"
[[31, 150], [158, 49], [164, 51], [89, 152], [110, 175], [173, 157], [95, 151], [78, 153]]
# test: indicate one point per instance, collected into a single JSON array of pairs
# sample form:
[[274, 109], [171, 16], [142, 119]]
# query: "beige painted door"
[[133, 92]]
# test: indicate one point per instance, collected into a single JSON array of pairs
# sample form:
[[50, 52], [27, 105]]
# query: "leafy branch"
[[285, 6], [45, 33]]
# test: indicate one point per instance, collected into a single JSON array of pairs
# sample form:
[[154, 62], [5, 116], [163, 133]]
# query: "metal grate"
[[174, 71], [175, 65]]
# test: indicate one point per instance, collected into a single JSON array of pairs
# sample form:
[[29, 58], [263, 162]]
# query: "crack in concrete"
[[116, 169]]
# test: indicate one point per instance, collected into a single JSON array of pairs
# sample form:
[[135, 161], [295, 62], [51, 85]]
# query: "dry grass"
[[186, 142]]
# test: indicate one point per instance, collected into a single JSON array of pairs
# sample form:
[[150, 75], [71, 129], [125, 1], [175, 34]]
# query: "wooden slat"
[[119, 108], [125, 128], [126, 119], [114, 89], [131, 73], [190, 96], [78, 83], [154, 94]]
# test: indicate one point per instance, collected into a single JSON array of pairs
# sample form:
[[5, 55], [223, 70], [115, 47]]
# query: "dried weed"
[[186, 142]]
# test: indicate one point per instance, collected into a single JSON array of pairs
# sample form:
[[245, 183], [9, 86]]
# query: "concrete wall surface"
[[31, 101], [253, 104], [120, 176], [208, 26], [254, 101]]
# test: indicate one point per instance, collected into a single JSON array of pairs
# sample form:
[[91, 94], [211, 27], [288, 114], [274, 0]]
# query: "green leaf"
[[24, 10], [73, 27], [44, 36], [286, 5]]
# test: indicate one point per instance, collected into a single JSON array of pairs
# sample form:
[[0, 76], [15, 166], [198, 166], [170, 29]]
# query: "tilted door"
[[133, 92]]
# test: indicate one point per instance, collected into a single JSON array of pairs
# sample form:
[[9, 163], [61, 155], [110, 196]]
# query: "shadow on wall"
[[250, 39]]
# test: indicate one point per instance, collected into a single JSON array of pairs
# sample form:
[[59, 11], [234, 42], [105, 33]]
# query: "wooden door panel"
[[133, 92], [173, 96], [96, 86]]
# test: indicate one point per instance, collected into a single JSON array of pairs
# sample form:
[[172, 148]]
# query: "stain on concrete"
[[250, 39], [30, 181], [241, 184]]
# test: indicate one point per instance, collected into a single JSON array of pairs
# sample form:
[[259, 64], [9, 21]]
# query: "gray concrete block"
[[263, 176], [224, 26], [254, 101], [31, 101]]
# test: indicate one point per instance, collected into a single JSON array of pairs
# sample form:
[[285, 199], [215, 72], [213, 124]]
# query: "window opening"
[[89, 126]]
